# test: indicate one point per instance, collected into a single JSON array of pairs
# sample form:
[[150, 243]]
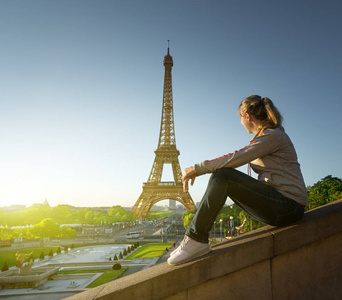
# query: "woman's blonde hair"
[[263, 110]]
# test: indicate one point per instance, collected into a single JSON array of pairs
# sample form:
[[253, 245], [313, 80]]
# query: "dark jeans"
[[259, 200]]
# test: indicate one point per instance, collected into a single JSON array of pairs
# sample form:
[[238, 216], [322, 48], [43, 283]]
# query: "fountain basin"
[[37, 276]]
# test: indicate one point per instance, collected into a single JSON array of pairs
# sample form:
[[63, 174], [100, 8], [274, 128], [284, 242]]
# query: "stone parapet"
[[301, 261]]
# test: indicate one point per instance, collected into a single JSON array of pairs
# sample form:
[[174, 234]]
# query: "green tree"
[[245, 220], [42, 255], [5, 267], [49, 227], [2, 215], [324, 191], [120, 256], [62, 214], [101, 218], [90, 217], [187, 218], [35, 214], [67, 231], [37, 231], [119, 214], [115, 257], [115, 213]]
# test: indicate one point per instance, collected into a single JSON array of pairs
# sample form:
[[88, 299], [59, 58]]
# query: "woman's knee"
[[223, 173]]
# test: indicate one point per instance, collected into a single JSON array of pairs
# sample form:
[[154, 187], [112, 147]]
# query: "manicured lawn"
[[8, 256], [158, 214], [150, 250], [108, 275]]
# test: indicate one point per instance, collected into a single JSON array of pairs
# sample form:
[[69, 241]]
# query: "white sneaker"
[[179, 247], [174, 251], [189, 249]]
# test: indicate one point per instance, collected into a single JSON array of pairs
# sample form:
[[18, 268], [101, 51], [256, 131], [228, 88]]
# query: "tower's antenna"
[[168, 47]]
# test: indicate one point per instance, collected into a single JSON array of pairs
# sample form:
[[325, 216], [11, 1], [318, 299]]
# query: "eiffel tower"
[[154, 189]]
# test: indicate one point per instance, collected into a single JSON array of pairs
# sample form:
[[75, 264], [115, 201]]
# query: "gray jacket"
[[273, 157]]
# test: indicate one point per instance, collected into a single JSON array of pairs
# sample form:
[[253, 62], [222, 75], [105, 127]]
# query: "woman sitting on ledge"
[[277, 198]]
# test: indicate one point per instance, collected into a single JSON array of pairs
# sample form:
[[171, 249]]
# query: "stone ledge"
[[256, 248]]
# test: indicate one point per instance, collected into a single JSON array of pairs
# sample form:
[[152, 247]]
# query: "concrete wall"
[[302, 261]]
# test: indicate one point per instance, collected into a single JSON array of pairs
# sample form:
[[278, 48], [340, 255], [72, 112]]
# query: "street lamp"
[[231, 225], [221, 229]]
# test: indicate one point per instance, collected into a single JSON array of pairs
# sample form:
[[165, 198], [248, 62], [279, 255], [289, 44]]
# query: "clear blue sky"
[[81, 86]]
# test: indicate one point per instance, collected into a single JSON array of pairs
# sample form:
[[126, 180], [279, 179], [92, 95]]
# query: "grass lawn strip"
[[8, 256], [108, 275], [150, 250]]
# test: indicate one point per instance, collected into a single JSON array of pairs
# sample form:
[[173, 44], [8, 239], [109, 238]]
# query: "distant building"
[[172, 204], [12, 208], [91, 230]]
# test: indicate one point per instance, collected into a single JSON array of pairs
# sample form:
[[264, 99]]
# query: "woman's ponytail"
[[271, 112], [263, 110]]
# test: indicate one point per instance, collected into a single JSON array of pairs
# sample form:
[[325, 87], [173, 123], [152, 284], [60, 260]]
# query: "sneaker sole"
[[177, 249], [200, 254]]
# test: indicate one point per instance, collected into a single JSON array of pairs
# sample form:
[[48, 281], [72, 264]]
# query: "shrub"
[[42, 255], [51, 253], [115, 257], [129, 250], [59, 250], [4, 268], [120, 256], [66, 249], [72, 246], [125, 252], [110, 259], [116, 267], [31, 257]]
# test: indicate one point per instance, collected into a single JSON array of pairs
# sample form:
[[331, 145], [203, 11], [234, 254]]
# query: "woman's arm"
[[269, 142]]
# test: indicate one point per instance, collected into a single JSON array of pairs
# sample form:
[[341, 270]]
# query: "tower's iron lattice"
[[154, 189]]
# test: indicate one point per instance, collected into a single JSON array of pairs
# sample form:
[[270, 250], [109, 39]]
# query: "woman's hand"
[[189, 174]]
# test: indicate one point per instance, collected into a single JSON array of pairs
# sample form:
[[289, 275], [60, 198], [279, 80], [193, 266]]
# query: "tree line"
[[41, 221], [64, 214]]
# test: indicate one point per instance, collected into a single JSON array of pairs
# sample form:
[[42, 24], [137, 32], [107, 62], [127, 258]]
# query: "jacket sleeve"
[[263, 145]]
